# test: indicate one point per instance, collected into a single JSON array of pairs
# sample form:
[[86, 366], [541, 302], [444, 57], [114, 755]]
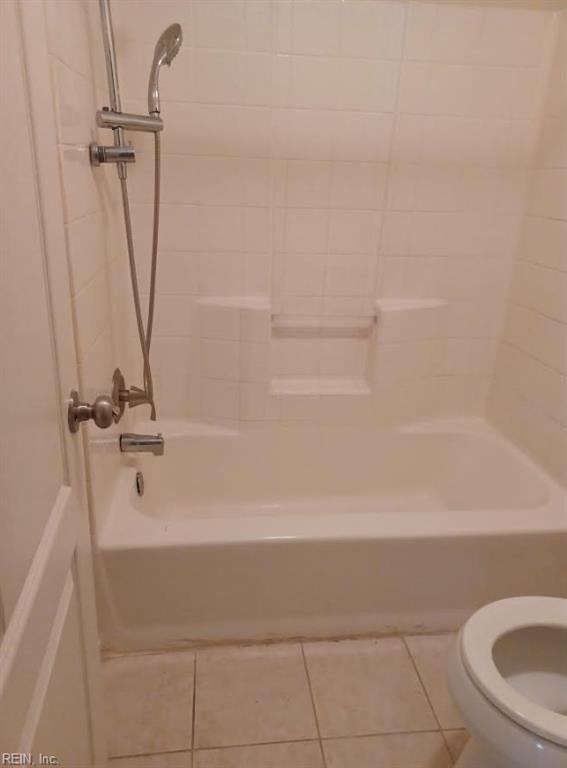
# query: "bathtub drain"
[[139, 483]]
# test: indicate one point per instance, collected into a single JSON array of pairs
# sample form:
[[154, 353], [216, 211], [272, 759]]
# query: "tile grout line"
[[227, 747], [194, 709], [282, 742], [221, 747], [324, 760], [422, 683], [112, 758], [380, 252]]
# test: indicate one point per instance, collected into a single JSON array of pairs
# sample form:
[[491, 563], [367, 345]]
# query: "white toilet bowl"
[[508, 677]]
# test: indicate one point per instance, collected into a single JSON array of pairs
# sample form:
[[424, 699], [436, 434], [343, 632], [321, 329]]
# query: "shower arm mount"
[[117, 122]]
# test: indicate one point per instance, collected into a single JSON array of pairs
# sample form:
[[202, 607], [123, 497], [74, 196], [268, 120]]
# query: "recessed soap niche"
[[245, 363], [321, 355], [348, 355], [278, 357]]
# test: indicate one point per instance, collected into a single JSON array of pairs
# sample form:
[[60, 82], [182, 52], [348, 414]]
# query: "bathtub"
[[324, 531]]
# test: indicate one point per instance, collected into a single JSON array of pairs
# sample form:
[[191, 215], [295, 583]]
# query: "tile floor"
[[372, 703]]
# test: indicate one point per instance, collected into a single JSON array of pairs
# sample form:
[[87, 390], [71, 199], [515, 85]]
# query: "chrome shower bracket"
[[111, 118], [116, 120], [123, 153]]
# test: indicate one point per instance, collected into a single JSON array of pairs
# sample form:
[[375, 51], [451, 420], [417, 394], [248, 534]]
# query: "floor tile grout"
[[371, 735], [380, 733], [313, 705], [193, 713], [258, 744], [317, 739], [422, 682], [150, 754]]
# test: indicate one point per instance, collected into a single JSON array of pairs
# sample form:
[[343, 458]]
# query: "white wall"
[[319, 155], [529, 394], [91, 266]]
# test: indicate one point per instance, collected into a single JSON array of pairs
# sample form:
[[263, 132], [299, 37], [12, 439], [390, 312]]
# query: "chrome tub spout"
[[132, 443]]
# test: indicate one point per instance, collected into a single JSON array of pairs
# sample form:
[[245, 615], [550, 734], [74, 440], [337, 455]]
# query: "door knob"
[[103, 412]]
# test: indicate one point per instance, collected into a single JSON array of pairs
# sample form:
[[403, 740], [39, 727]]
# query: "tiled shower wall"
[[326, 163], [529, 395], [91, 267]]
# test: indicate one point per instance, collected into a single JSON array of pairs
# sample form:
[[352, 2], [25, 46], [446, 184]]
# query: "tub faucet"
[[132, 443]]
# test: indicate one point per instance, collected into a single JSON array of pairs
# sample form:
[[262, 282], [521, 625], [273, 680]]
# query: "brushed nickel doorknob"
[[103, 412]]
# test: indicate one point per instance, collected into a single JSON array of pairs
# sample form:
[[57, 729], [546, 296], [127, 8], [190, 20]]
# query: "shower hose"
[[145, 334]]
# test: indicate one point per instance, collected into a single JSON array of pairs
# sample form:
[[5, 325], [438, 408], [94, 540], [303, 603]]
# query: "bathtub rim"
[[128, 528]]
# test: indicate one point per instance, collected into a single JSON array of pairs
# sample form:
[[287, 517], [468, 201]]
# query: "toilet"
[[508, 678]]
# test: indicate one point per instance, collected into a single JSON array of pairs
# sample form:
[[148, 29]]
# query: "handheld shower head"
[[167, 48]]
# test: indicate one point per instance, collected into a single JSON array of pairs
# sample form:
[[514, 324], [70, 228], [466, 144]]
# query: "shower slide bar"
[[109, 408]]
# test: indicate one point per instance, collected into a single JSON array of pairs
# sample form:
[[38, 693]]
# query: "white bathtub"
[[313, 531]]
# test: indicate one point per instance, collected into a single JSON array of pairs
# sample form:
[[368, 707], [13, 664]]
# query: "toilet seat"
[[477, 640]]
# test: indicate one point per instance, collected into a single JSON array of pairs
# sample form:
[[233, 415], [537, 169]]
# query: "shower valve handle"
[[134, 396], [122, 396]]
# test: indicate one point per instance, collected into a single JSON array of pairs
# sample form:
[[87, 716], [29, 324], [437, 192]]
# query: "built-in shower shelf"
[[252, 303], [407, 305], [332, 385], [298, 326]]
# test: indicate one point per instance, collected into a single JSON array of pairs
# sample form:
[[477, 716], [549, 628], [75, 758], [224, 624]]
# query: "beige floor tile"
[[148, 703], [430, 655], [456, 741], [306, 754], [165, 760], [252, 696], [366, 687], [408, 750]]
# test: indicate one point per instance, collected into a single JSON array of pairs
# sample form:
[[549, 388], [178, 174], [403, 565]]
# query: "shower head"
[[167, 48]]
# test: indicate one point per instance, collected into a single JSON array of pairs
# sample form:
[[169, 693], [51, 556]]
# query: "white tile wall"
[[529, 392], [321, 154]]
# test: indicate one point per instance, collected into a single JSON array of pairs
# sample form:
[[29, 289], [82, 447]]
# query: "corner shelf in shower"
[[252, 303], [407, 305]]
